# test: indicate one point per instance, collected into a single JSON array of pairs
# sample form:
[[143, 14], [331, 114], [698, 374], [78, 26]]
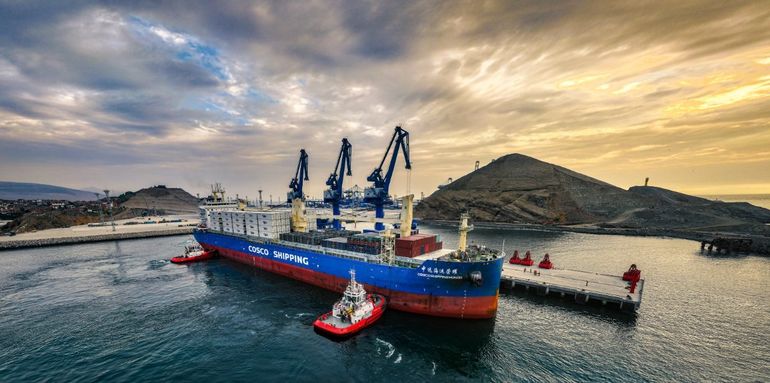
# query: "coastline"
[[15, 244], [760, 244]]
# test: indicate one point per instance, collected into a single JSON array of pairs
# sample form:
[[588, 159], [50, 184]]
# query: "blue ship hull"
[[440, 288]]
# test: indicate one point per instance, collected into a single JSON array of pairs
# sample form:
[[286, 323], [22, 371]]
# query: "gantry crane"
[[378, 193], [296, 196], [333, 195]]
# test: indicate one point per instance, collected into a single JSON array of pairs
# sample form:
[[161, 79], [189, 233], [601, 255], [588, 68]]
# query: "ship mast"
[[464, 229], [406, 215]]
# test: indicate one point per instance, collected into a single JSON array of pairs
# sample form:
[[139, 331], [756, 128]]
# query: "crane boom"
[[300, 176], [378, 193], [343, 168], [296, 196]]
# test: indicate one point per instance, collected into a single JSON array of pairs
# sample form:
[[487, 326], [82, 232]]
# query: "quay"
[[87, 234], [582, 286]]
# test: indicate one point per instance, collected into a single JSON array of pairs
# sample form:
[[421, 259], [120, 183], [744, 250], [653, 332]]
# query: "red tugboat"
[[193, 253], [353, 312]]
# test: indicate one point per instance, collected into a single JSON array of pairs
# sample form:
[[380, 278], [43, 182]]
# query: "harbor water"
[[119, 311]]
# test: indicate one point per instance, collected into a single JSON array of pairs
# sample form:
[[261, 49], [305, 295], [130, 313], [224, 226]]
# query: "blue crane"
[[300, 176], [378, 193], [334, 193]]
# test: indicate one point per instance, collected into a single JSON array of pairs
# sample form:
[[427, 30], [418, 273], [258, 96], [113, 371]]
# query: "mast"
[[464, 229]]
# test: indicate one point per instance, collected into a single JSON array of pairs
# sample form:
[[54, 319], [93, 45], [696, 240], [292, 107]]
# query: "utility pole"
[[112, 220]]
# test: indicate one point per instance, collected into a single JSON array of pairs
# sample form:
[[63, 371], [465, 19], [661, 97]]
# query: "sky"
[[123, 95]]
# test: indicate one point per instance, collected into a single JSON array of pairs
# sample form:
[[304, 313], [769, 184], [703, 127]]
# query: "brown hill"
[[520, 189], [158, 200], [50, 219]]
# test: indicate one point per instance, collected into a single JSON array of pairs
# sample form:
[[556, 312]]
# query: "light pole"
[[107, 193], [101, 216]]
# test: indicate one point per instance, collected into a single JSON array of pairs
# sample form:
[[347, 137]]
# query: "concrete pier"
[[85, 233], [584, 287]]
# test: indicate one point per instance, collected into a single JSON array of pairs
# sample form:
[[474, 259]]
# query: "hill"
[[521, 189], [33, 191], [157, 200]]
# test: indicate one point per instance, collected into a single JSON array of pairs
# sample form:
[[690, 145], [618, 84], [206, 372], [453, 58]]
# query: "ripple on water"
[[121, 312]]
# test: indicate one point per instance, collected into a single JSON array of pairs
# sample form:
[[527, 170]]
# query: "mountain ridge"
[[520, 189], [10, 190]]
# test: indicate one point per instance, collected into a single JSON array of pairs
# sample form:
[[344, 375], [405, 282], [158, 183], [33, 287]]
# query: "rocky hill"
[[157, 200], [50, 219], [32, 191], [520, 189]]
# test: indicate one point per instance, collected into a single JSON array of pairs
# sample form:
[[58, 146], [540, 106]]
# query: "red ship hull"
[[425, 304], [206, 255], [322, 326]]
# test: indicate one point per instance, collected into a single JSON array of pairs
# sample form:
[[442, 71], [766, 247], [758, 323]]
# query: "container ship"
[[411, 269]]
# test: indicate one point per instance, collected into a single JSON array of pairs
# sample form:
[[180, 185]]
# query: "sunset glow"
[[189, 94]]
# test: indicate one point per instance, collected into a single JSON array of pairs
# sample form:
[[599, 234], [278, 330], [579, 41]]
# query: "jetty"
[[727, 245], [582, 286], [98, 233]]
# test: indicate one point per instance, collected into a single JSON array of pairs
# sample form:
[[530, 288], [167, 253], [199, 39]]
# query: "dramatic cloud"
[[188, 93]]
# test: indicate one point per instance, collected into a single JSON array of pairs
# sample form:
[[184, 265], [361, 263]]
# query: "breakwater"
[[85, 238], [759, 244]]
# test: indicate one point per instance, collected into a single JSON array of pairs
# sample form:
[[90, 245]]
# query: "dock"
[[582, 286], [89, 233]]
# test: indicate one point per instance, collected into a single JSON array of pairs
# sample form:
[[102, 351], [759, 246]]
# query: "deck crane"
[[334, 193], [296, 196], [378, 193]]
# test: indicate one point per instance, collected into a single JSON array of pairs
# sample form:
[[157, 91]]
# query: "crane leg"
[[379, 212], [336, 224]]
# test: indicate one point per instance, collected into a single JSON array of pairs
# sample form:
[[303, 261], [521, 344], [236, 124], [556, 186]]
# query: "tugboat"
[[353, 312], [193, 253]]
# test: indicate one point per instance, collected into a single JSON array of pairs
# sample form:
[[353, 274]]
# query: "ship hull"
[[448, 293]]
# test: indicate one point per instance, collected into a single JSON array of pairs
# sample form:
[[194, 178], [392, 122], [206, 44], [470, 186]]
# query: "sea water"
[[119, 311]]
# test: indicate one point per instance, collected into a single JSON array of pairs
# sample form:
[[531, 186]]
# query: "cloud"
[[230, 91]]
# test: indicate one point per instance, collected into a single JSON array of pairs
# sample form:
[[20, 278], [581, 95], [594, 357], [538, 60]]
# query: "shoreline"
[[760, 245], [73, 240]]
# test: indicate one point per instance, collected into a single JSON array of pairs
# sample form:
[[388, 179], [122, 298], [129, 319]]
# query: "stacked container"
[[316, 237], [239, 222], [418, 244], [227, 221], [365, 243], [271, 224], [252, 224], [339, 243]]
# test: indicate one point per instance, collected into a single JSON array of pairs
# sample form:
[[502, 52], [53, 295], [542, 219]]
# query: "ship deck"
[[433, 255], [582, 285]]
